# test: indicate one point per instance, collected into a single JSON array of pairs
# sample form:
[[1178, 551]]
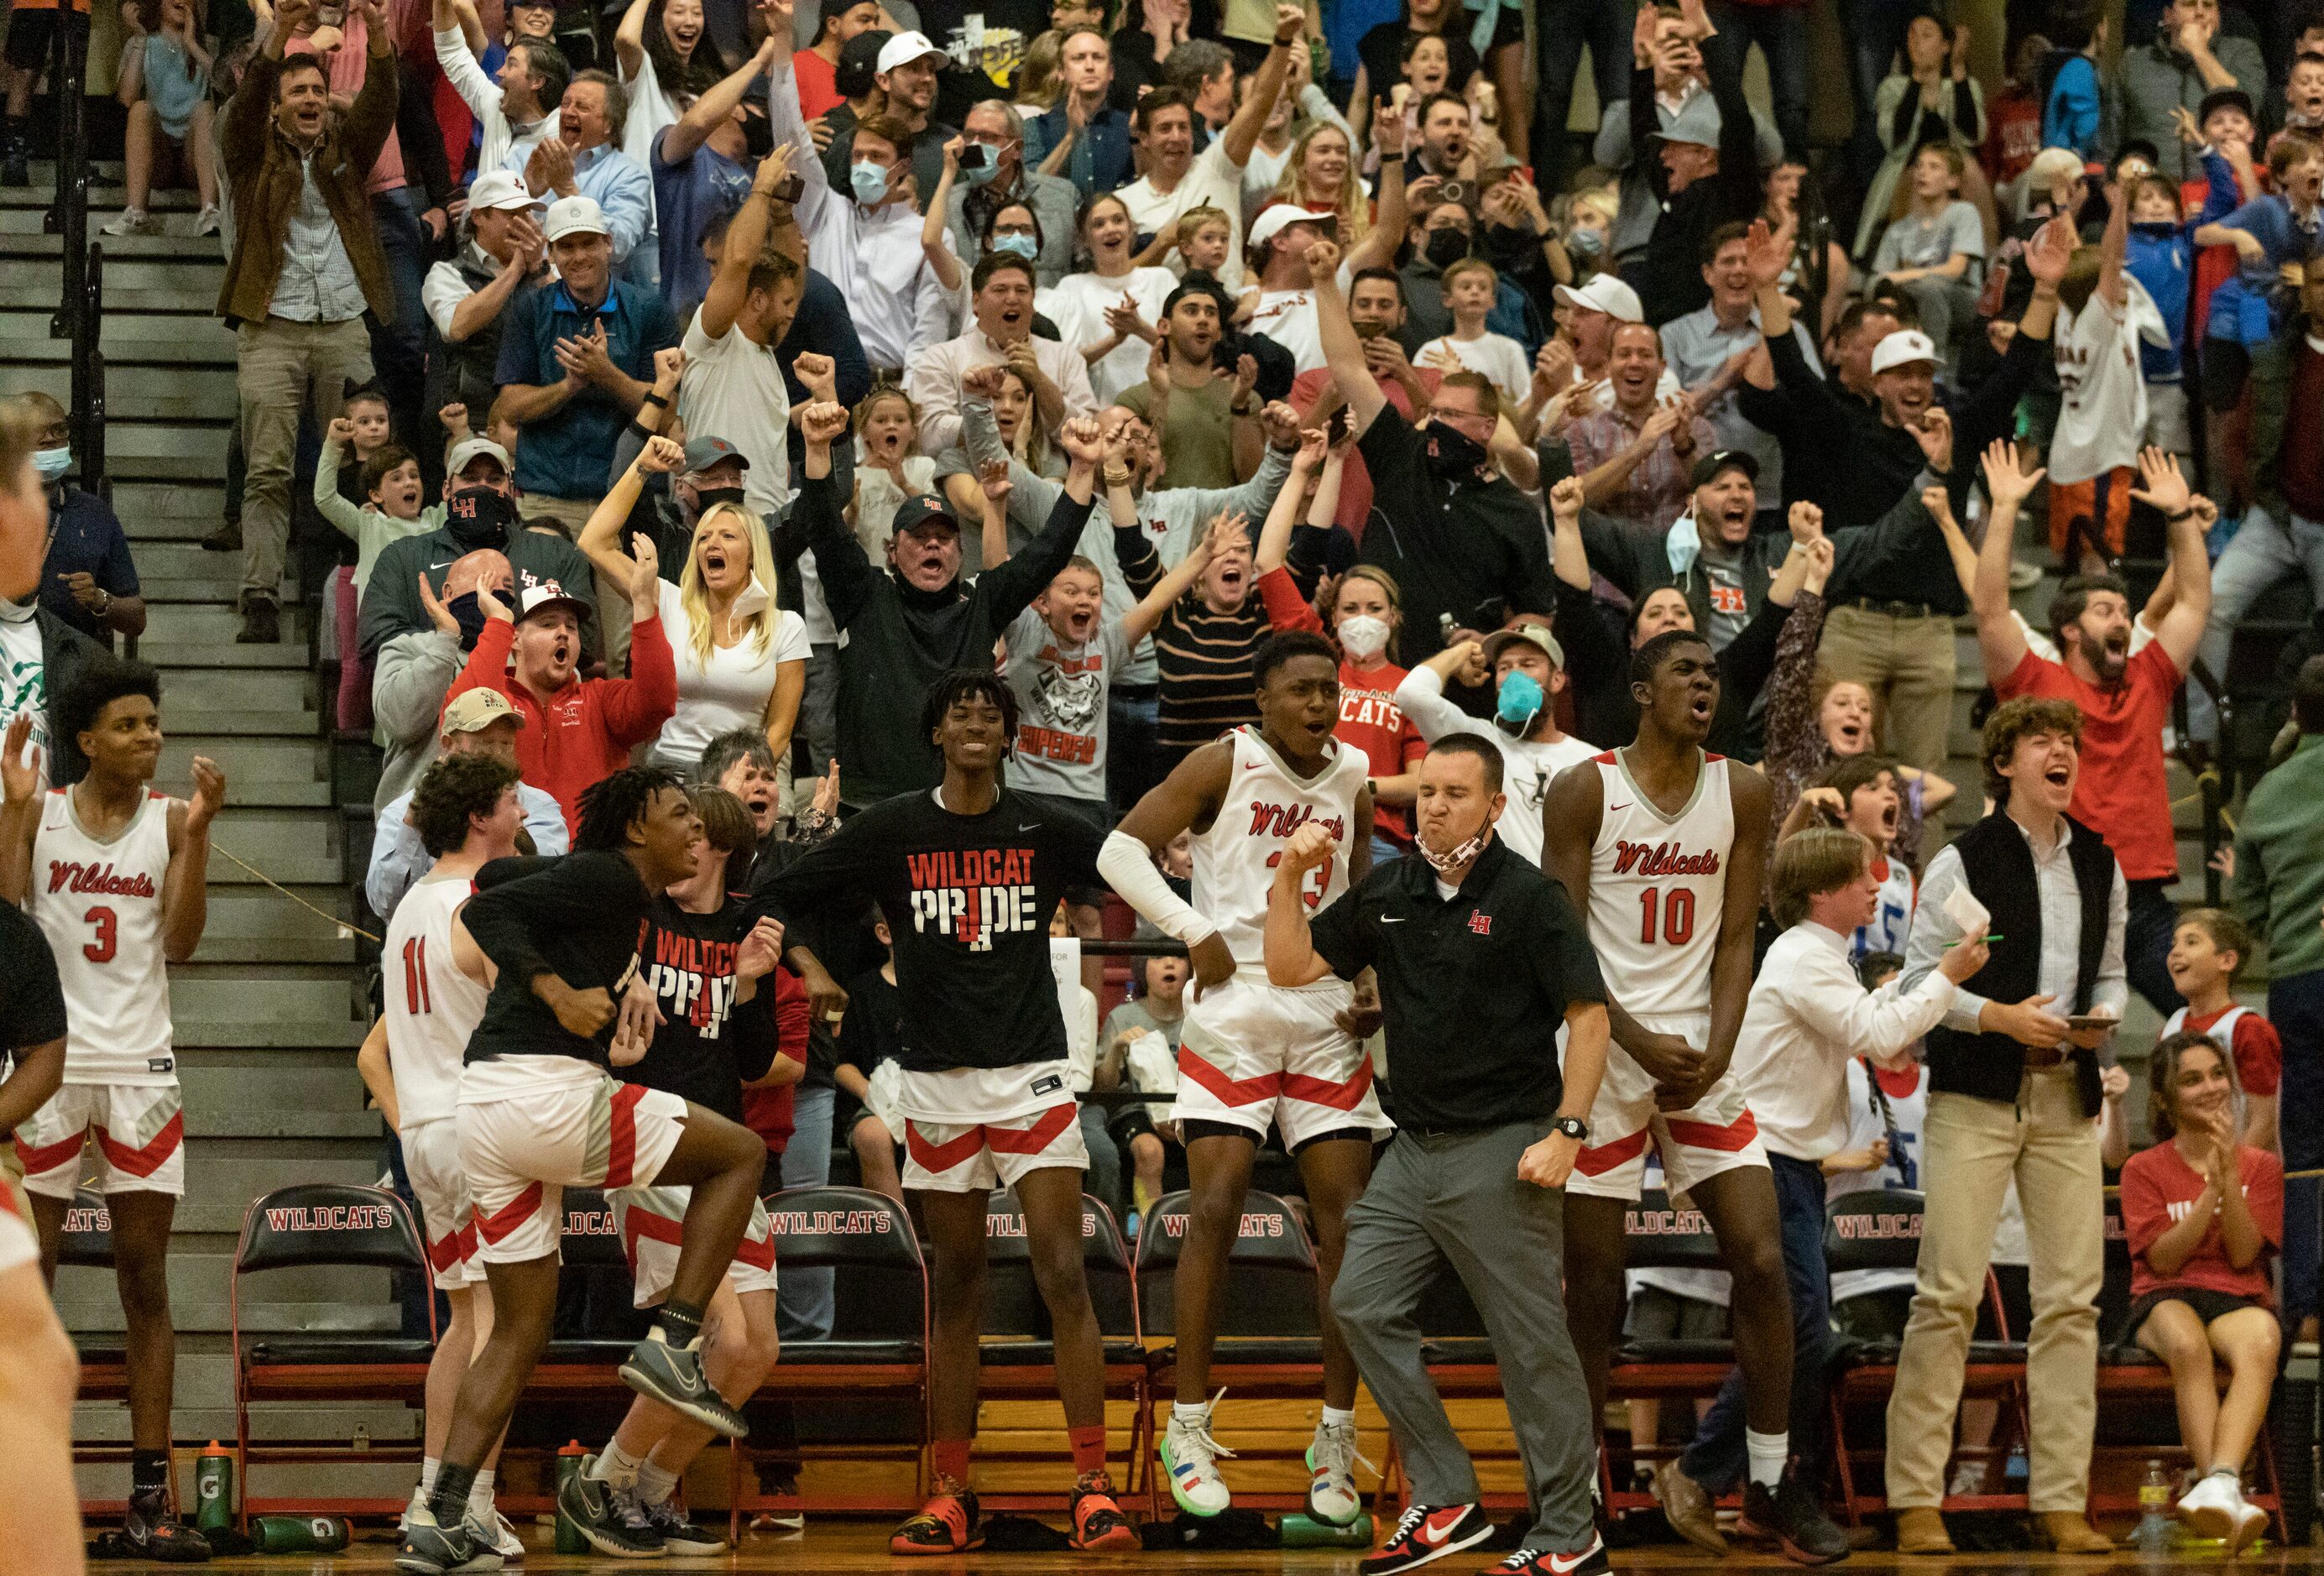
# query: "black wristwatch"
[[1572, 1127]]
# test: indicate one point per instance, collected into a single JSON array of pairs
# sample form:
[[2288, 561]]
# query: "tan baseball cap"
[[475, 710]]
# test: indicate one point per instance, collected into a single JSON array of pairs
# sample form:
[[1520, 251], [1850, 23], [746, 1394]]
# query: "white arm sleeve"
[[1128, 868]]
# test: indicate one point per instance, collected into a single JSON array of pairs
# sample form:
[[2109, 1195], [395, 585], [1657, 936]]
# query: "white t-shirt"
[[2103, 417], [1288, 316], [650, 114], [1077, 305], [731, 690], [734, 390], [23, 684], [1495, 356], [1212, 180]]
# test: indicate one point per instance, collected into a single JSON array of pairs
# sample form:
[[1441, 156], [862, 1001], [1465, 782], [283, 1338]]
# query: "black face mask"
[[469, 615], [1454, 454], [479, 517], [1446, 247], [709, 498]]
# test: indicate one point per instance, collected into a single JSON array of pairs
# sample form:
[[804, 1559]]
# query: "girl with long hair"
[[1109, 312]]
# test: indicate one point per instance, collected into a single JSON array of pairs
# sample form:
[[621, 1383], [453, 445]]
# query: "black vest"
[[2000, 865], [468, 372]]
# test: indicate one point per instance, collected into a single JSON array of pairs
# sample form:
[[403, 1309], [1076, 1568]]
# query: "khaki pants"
[[1907, 664], [1970, 1149], [282, 368], [612, 601]]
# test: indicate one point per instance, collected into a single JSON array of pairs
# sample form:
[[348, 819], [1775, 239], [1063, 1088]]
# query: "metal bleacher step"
[[215, 622], [295, 846], [125, 339], [259, 926], [168, 655]]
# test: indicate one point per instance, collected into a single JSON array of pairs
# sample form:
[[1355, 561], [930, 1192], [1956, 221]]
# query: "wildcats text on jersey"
[[974, 894], [72, 875], [1282, 820], [1651, 860]]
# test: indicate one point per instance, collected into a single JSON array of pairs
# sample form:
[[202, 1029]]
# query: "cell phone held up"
[[789, 188]]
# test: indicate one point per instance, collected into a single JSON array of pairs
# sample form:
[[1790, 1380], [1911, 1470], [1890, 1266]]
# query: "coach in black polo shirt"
[[1478, 954]]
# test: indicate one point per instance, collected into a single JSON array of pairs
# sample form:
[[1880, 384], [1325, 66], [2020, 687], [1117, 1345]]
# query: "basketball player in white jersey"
[[116, 874], [1251, 1054], [435, 983], [1663, 847]]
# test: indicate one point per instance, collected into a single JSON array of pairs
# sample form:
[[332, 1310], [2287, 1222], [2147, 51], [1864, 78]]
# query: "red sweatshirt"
[[582, 733]]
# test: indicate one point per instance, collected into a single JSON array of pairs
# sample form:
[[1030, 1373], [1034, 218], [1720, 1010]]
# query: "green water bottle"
[[569, 1540], [1298, 1530], [298, 1534], [214, 1489]]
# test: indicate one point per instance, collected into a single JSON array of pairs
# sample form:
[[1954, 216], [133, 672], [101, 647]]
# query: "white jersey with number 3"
[[1264, 803], [99, 904], [432, 1007], [1658, 890]]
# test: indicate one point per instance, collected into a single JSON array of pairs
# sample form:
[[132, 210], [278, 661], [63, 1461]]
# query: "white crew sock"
[[1767, 1452], [616, 1466], [654, 1484], [1337, 1417], [427, 1466], [480, 1496]]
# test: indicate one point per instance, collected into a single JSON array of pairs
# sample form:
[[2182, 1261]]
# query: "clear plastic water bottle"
[[2156, 1531]]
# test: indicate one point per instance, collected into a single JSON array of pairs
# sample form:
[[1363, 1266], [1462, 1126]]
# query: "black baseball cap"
[[923, 508], [2226, 98], [1708, 468], [859, 62]]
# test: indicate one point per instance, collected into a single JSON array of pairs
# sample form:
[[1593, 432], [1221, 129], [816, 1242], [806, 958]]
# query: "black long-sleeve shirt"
[[899, 639], [575, 917], [1669, 276]]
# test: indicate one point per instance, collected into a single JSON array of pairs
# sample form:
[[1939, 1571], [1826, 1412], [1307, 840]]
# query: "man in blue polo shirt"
[[577, 361]]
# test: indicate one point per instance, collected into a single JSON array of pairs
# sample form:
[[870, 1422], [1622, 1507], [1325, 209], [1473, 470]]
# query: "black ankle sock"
[[680, 1323], [149, 1471], [448, 1501]]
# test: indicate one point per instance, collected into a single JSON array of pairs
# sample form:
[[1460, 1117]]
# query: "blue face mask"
[[1023, 246], [1519, 701], [51, 463], [978, 174], [869, 180]]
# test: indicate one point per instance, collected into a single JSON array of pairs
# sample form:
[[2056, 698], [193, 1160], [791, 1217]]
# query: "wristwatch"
[[1572, 1127]]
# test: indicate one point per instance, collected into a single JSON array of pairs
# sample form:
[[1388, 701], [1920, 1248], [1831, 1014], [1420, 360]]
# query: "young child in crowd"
[[888, 465], [1206, 240], [165, 82], [1144, 1131], [1471, 288], [1933, 253], [2202, 1213], [2160, 257], [866, 1070], [1887, 1106], [2207, 949], [1862, 793], [389, 480], [2248, 310]]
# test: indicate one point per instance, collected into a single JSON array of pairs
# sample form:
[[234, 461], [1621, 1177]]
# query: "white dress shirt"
[[931, 377], [2062, 933], [874, 255], [481, 95], [1808, 1014]]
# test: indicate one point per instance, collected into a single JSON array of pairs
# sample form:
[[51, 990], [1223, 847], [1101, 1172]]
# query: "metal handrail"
[[80, 309]]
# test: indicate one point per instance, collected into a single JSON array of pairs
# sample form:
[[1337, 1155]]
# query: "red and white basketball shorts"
[[432, 1158], [19, 1244], [650, 1218], [970, 1129], [1715, 1134], [521, 1151], [1250, 1053], [141, 1139]]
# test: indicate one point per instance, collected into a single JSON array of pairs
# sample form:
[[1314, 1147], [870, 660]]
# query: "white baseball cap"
[[1607, 294], [1902, 348], [575, 216], [550, 594], [1279, 217], [500, 189], [904, 49]]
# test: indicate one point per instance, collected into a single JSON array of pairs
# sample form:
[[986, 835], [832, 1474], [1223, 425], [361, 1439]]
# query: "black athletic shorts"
[[1195, 1127], [32, 38], [2209, 1306]]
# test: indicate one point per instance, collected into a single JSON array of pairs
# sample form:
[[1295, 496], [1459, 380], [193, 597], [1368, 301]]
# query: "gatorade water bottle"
[[569, 1540], [2156, 1531], [298, 1534], [214, 1489], [1304, 1532]]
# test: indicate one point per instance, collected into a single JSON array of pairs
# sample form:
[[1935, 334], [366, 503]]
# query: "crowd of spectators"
[[700, 384]]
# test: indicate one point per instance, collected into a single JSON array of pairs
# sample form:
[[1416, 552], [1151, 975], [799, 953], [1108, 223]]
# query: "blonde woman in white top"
[[1109, 312], [741, 660]]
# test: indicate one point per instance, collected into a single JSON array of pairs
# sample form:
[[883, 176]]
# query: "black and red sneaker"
[[1098, 1521], [149, 1530], [1425, 1533], [1792, 1518], [948, 1524], [1590, 1560]]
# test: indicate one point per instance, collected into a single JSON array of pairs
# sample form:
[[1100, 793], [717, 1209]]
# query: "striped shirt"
[[1205, 657]]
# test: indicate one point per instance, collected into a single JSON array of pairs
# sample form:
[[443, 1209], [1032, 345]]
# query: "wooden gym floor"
[[846, 1546]]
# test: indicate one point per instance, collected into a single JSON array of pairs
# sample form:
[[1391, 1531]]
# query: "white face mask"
[[1363, 637]]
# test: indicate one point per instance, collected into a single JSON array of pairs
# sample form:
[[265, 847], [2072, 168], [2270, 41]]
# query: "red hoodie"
[[584, 732]]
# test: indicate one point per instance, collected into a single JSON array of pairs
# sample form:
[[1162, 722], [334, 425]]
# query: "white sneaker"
[[133, 222], [1332, 1495], [2251, 1521], [2210, 1508], [1190, 1459], [503, 1539], [206, 222]]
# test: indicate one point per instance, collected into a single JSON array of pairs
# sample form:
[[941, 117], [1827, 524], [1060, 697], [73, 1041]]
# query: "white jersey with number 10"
[[432, 1007], [1658, 890], [1264, 803]]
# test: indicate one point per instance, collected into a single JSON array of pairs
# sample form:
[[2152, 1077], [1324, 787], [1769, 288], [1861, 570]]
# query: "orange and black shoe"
[[1098, 1521], [948, 1524]]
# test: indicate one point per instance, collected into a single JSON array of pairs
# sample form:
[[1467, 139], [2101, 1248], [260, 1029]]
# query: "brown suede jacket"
[[263, 170]]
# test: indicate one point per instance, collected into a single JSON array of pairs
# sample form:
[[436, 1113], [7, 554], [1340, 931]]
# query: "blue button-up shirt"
[[620, 186], [564, 453], [86, 538], [1100, 160], [398, 858]]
